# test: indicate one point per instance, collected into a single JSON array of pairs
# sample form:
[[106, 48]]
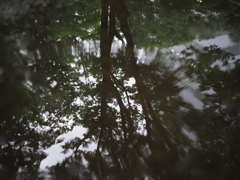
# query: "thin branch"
[[121, 86], [85, 137]]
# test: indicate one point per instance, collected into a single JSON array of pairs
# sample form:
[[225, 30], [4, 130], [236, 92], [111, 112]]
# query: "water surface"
[[119, 89]]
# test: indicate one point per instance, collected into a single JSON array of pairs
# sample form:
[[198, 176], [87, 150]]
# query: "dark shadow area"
[[66, 64]]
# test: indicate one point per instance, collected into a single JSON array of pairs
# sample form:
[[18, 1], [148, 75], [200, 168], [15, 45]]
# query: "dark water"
[[119, 90]]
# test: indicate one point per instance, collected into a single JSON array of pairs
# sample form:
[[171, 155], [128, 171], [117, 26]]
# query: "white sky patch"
[[90, 30], [78, 38], [80, 70], [221, 41], [65, 121], [222, 67], [53, 84], [142, 128], [178, 48], [76, 59], [92, 79], [23, 52], [183, 109], [141, 55], [55, 154], [74, 51], [89, 81], [189, 97], [91, 47], [131, 81], [73, 65], [114, 105], [145, 55], [237, 57], [176, 65], [78, 101], [189, 134], [209, 92]]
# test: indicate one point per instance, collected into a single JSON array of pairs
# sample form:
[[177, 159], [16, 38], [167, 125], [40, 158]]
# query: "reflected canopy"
[[153, 101]]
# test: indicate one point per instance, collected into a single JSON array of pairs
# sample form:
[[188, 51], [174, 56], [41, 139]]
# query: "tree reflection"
[[221, 108], [122, 152], [35, 76], [52, 79]]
